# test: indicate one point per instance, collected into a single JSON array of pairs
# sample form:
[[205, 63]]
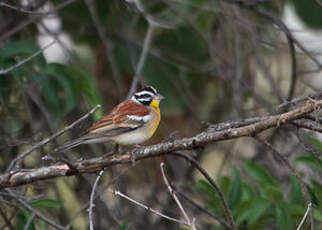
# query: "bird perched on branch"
[[130, 123]]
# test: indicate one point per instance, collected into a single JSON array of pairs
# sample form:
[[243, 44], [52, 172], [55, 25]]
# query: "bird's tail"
[[69, 145]]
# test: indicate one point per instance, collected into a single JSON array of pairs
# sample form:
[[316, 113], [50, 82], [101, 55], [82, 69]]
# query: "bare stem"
[[172, 193], [304, 217], [146, 46], [214, 184], [91, 200], [118, 193]]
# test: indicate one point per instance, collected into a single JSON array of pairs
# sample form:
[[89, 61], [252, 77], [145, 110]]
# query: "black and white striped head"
[[147, 95]]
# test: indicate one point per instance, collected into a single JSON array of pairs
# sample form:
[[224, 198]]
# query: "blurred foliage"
[[23, 217], [205, 57], [310, 12], [257, 200], [60, 85]]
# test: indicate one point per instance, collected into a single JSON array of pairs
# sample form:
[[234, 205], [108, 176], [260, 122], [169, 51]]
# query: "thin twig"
[[255, 6], [19, 9], [310, 125], [139, 68], [20, 63], [201, 208], [6, 220], [98, 194], [108, 45], [118, 193], [172, 193], [295, 101], [30, 219], [304, 217], [33, 19], [91, 200], [47, 140], [214, 184]]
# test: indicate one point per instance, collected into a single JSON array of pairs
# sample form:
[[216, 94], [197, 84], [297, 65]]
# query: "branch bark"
[[16, 178]]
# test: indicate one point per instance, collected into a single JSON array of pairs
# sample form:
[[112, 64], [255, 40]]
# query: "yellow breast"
[[155, 123]]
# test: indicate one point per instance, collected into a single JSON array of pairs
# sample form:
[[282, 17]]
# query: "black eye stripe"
[[143, 96]]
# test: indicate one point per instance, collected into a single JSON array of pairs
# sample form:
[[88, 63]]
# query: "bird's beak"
[[158, 97]]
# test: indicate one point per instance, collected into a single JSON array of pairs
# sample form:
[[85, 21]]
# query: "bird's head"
[[148, 96]]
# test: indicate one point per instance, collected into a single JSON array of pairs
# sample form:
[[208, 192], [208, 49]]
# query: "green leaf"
[[296, 196], [22, 219], [206, 188], [65, 81], [5, 88], [50, 91], [248, 192], [235, 192], [273, 193], [318, 214], [260, 174], [85, 85], [63, 85], [296, 211], [310, 12], [243, 212], [183, 44], [316, 193], [123, 226], [259, 207], [315, 141], [214, 202], [14, 48], [225, 183], [22, 48], [310, 161], [45, 203], [251, 211], [281, 215]]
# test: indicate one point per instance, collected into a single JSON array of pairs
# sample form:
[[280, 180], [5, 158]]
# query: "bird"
[[131, 122]]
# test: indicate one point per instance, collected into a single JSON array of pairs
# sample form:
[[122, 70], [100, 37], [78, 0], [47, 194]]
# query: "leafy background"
[[214, 61]]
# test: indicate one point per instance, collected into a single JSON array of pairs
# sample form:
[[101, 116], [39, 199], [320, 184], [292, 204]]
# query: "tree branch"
[[206, 137]]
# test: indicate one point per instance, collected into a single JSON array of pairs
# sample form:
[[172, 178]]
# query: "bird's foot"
[[133, 155], [117, 149]]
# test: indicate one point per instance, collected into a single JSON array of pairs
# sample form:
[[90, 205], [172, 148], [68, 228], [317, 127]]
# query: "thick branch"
[[209, 136]]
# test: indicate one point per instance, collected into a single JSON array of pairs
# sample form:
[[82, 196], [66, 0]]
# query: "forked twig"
[[201, 208], [214, 184], [173, 194], [118, 193]]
